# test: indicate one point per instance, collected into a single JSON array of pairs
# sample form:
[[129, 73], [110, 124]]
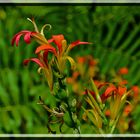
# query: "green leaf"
[[67, 120]]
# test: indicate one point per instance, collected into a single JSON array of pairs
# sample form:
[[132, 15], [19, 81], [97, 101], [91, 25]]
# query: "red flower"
[[123, 71], [62, 50], [75, 74], [36, 60], [58, 39], [123, 82], [78, 42], [81, 60], [136, 90], [121, 90], [93, 62], [107, 112], [42, 61], [27, 37], [128, 110], [47, 48], [111, 90], [108, 92]]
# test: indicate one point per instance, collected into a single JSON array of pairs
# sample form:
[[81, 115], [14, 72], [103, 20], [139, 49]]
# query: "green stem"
[[70, 114], [114, 124], [63, 86], [95, 89]]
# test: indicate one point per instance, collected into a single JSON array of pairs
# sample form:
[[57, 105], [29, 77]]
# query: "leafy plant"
[[114, 31]]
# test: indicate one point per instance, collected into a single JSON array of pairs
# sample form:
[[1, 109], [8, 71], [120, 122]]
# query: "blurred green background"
[[114, 31]]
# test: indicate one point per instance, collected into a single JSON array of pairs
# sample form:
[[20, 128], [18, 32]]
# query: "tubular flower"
[[105, 100], [41, 60], [60, 51], [123, 71], [110, 90], [28, 35], [136, 91], [44, 66]]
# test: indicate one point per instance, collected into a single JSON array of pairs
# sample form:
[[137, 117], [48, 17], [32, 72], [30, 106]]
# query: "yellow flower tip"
[[64, 45], [33, 22], [40, 70], [29, 19], [42, 29]]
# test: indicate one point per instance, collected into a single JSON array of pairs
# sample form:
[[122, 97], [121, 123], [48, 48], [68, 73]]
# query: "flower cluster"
[[57, 45], [104, 104], [105, 99], [52, 55]]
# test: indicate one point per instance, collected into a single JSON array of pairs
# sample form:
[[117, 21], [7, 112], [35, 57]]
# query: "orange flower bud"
[[135, 90], [123, 71], [69, 80], [122, 90], [107, 112], [81, 60], [127, 110], [124, 82], [75, 74]]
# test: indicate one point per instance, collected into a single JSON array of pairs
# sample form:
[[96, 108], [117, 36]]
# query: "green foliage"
[[114, 31]]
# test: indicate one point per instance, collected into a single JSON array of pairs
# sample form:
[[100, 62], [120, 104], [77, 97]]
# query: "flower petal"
[[78, 42], [109, 90], [27, 37], [36, 60], [50, 40], [122, 90], [58, 41], [123, 82], [123, 71], [46, 47], [136, 90], [45, 55], [17, 36], [81, 60], [17, 39]]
